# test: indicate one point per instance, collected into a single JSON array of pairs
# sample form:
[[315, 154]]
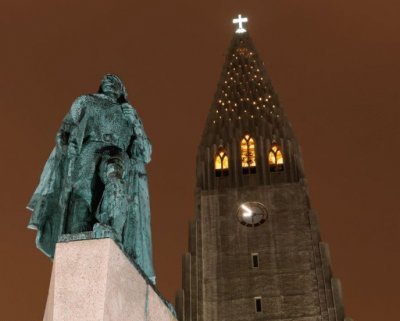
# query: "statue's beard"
[[111, 91]]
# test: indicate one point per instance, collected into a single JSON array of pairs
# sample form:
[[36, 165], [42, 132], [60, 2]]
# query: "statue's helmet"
[[112, 86]]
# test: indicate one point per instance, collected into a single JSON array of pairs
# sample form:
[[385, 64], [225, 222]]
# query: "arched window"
[[221, 163], [248, 154], [275, 158]]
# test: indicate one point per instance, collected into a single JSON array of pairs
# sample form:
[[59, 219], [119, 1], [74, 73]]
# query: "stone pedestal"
[[92, 280]]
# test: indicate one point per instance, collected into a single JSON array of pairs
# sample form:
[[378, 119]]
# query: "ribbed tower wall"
[[293, 279]]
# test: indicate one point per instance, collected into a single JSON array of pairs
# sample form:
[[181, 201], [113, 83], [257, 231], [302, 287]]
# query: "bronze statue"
[[95, 179]]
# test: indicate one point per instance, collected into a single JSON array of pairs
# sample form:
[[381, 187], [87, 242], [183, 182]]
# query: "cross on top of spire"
[[239, 20]]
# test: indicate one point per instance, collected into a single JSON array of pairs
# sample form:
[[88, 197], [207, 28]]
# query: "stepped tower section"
[[255, 251]]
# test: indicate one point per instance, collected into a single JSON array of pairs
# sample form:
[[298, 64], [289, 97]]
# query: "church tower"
[[255, 251]]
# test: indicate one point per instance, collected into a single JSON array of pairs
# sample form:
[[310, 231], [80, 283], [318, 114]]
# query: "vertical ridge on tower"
[[255, 251]]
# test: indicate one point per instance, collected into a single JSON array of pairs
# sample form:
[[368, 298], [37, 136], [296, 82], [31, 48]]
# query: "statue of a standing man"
[[95, 178]]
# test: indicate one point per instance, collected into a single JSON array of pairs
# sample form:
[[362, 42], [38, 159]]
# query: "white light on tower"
[[239, 21], [248, 212]]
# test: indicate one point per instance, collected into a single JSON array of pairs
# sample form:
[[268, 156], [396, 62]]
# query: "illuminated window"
[[248, 155], [221, 163], [275, 158]]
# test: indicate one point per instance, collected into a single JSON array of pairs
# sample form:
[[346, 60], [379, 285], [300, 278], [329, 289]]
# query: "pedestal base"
[[92, 280]]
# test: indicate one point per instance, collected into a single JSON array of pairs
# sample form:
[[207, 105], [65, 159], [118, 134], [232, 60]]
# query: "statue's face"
[[112, 86]]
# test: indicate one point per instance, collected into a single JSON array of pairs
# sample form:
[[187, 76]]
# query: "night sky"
[[334, 64]]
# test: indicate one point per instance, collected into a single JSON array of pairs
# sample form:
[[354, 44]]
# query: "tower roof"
[[245, 98], [245, 125], [244, 90]]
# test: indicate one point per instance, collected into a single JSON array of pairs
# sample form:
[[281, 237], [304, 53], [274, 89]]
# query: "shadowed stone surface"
[[93, 280]]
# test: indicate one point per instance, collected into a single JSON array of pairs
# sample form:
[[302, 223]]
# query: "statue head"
[[113, 87]]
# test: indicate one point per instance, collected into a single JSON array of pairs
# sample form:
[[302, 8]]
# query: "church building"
[[255, 251]]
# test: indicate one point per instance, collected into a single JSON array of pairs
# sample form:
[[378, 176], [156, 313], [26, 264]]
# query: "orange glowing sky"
[[333, 63]]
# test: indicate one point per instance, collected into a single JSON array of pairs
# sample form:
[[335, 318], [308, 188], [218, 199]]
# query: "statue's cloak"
[[45, 204], [49, 203]]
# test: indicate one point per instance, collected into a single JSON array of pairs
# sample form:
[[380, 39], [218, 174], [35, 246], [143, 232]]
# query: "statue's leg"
[[103, 213], [119, 212], [113, 206], [79, 218], [80, 213]]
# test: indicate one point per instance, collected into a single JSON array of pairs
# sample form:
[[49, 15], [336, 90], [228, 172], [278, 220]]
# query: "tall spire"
[[246, 103], [255, 252], [244, 90]]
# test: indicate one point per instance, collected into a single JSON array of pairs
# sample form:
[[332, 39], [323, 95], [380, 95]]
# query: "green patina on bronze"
[[95, 178]]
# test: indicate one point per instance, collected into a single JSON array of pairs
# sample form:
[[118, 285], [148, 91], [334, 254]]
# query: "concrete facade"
[[293, 280], [92, 280]]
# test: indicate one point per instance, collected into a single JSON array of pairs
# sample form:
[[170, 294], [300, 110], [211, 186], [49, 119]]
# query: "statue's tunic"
[[99, 142], [101, 128]]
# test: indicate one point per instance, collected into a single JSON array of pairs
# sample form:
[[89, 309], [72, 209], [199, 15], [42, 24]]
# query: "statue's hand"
[[128, 112]]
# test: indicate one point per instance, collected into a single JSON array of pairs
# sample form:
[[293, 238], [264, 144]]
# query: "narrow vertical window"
[[221, 163], [248, 154], [254, 260], [275, 158], [258, 304]]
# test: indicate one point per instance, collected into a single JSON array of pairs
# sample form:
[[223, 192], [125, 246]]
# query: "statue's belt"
[[110, 139]]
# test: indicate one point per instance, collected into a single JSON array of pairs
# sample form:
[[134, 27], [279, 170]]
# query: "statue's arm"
[[64, 133], [140, 147], [69, 137], [143, 146]]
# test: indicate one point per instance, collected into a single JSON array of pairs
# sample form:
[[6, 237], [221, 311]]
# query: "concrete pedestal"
[[92, 280]]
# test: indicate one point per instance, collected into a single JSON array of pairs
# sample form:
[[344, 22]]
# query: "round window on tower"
[[252, 214]]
